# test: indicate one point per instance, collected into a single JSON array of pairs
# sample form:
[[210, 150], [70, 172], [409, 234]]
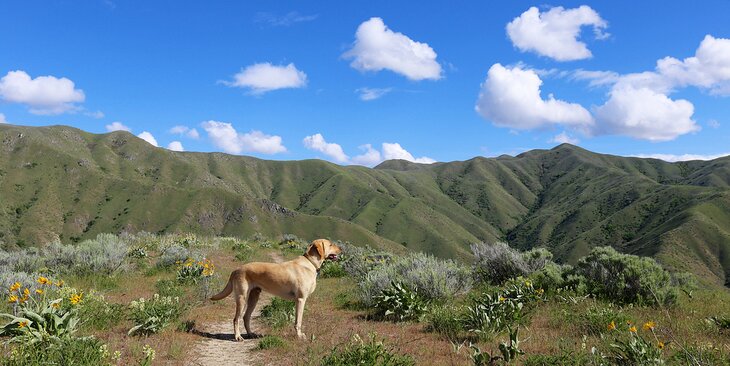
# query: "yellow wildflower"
[[649, 325], [59, 283], [528, 283], [612, 325], [502, 298], [632, 329], [12, 299], [540, 291], [43, 280], [22, 324], [26, 292], [56, 305], [38, 291], [660, 345], [76, 298], [15, 287]]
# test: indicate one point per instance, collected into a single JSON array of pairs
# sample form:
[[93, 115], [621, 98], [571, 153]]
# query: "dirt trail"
[[217, 347]]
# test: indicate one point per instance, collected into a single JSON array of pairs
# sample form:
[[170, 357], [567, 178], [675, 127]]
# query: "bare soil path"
[[217, 346]]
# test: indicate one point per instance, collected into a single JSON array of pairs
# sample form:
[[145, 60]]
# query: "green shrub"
[[497, 262], [170, 288], [625, 279], [106, 254], [446, 320], [332, 269], [399, 303], [96, 313], [596, 320], [174, 254], [631, 347], [192, 271], [553, 278], [359, 261], [269, 341], [243, 255], [292, 242], [86, 351], [493, 312], [371, 353], [278, 313], [151, 316], [431, 278]]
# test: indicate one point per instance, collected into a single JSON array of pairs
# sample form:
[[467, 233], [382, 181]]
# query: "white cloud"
[[377, 48], [117, 126], [285, 20], [175, 146], [96, 115], [368, 94], [644, 114], [265, 77], [2, 118], [596, 78], [370, 157], [683, 157], [395, 151], [225, 137], [317, 142], [148, 137], [184, 131], [709, 68], [510, 97], [713, 123], [555, 33], [42, 95], [564, 138]]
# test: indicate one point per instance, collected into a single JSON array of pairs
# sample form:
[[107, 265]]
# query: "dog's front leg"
[[300, 313]]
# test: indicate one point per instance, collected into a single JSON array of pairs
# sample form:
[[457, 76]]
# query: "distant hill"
[[61, 182]]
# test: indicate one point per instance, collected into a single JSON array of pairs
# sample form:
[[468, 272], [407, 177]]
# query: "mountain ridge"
[[59, 182]]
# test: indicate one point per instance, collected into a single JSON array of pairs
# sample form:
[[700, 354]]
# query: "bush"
[[86, 351], [106, 254], [173, 254], [151, 316], [331, 269], [169, 288], [493, 312], [596, 320], [446, 320], [630, 347], [431, 278], [268, 342], [371, 353], [625, 278], [292, 242], [278, 313], [553, 278], [358, 261], [191, 271], [498, 262], [399, 303]]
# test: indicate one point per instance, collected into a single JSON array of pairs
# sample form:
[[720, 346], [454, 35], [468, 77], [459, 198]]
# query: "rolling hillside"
[[60, 182]]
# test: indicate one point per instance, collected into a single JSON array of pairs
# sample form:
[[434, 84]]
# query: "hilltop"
[[63, 183]]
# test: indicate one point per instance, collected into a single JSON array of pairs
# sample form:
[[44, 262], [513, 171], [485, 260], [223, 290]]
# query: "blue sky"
[[287, 80]]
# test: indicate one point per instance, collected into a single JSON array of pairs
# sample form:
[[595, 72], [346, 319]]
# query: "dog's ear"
[[318, 244]]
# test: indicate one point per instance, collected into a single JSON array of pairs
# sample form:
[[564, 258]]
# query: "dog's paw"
[[302, 336], [239, 338]]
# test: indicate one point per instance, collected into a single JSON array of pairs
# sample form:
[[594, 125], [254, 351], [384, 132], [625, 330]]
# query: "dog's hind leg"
[[253, 298], [240, 303]]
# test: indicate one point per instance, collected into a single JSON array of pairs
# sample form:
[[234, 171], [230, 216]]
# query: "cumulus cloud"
[[317, 142], [555, 33], [645, 114], [117, 126], [510, 97], [175, 146], [564, 138], [395, 151], [46, 95], [368, 94], [682, 157], [369, 157], [2, 118], [713, 123], [596, 78], [148, 137], [224, 136], [265, 77], [185, 131], [709, 68], [378, 48]]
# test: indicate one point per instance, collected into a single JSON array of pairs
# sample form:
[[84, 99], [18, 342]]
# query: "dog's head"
[[324, 249]]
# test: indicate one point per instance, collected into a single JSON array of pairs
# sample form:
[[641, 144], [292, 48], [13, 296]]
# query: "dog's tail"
[[226, 291]]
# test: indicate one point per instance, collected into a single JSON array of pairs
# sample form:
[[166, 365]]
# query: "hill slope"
[[60, 182]]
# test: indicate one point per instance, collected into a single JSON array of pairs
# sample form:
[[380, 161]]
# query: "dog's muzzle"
[[333, 257]]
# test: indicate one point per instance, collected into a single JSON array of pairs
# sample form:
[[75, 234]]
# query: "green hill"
[[60, 182]]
